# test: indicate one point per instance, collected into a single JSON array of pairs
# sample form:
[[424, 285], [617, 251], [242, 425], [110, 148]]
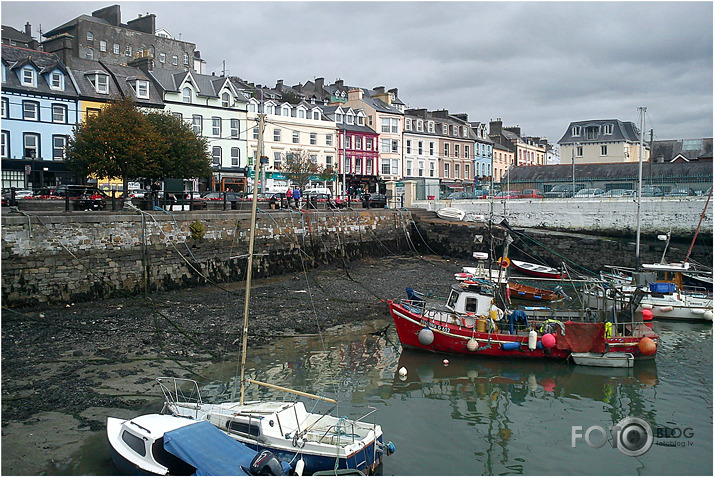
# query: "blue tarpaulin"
[[209, 450]]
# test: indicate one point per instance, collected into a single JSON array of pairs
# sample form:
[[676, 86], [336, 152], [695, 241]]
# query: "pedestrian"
[[296, 197], [155, 188], [289, 195]]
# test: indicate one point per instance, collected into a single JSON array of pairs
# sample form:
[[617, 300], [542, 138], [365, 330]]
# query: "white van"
[[309, 191]]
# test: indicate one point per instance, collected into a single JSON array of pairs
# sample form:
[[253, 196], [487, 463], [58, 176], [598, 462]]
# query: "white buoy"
[[472, 344], [445, 361], [532, 340], [646, 306], [426, 336], [708, 315], [299, 467], [402, 372], [666, 308]]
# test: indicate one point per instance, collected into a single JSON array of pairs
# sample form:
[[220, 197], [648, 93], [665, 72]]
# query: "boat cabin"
[[471, 297]]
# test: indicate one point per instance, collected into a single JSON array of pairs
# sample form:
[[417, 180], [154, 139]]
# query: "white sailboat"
[[310, 442]]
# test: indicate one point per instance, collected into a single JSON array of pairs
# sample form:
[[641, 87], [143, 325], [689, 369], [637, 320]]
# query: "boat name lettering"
[[442, 328]]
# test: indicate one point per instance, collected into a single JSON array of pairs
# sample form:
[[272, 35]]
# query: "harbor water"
[[477, 416]]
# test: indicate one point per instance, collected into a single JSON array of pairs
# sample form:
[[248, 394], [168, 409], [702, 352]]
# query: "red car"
[[507, 195], [531, 193]]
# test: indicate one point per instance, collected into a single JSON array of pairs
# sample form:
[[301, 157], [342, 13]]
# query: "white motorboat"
[[167, 445], [451, 213]]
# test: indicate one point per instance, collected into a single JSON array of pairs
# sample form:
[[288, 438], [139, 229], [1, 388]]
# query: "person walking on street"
[[155, 188], [296, 197], [289, 195]]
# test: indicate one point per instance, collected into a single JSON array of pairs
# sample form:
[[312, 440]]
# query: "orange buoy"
[[647, 346]]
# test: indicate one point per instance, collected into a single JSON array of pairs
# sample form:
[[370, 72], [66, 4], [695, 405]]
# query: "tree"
[[186, 154], [124, 142], [299, 168]]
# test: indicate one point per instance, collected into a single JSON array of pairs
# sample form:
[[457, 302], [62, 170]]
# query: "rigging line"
[[577, 266]]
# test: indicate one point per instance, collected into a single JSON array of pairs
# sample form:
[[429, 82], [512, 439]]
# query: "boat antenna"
[[697, 230], [249, 267], [641, 109]]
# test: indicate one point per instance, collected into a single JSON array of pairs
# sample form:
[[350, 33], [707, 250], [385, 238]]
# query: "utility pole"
[[640, 188], [651, 158]]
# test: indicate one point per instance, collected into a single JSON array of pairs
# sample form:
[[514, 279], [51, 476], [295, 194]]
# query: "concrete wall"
[[608, 216], [55, 258]]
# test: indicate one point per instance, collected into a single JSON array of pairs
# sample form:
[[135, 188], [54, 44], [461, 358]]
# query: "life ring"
[[504, 262]]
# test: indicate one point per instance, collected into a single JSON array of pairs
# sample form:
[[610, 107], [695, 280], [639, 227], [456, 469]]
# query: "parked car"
[[374, 200], [618, 193], [82, 196], [531, 193], [681, 192], [137, 193], [590, 193], [327, 199], [562, 191], [651, 191], [507, 195], [478, 194]]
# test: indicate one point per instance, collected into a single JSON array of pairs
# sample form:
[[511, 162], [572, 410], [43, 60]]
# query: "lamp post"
[[573, 169]]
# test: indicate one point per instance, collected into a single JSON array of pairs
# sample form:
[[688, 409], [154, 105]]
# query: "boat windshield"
[[452, 299]]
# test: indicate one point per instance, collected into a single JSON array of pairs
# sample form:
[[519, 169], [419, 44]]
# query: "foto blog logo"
[[632, 436]]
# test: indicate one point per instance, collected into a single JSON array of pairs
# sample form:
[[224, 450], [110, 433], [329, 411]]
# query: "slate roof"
[[80, 68], [329, 112], [622, 132], [66, 27], [171, 79], [378, 105], [562, 172], [16, 57], [14, 34], [692, 150], [123, 75]]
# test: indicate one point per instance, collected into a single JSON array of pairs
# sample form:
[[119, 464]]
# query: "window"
[[28, 77], [296, 137], [100, 83], [348, 142], [444, 129], [31, 142], [58, 147], [385, 166], [339, 118], [419, 125], [286, 111], [346, 165], [329, 161], [5, 107], [313, 138], [174, 60], [446, 170], [269, 109], [225, 100], [30, 111], [56, 81], [419, 147], [431, 148], [186, 58], [90, 36], [608, 129], [456, 150], [251, 108], [216, 154], [316, 115], [368, 144], [186, 95], [235, 156], [197, 123], [216, 126], [446, 149], [276, 135], [152, 51], [178, 115], [142, 89], [408, 168], [314, 158], [432, 168], [134, 442], [576, 131], [301, 113], [255, 132], [235, 128], [358, 142], [162, 57], [408, 146], [128, 50], [466, 150], [277, 160], [368, 166], [115, 48], [92, 112], [389, 125], [592, 132], [350, 119], [328, 139], [430, 126], [420, 168], [395, 146], [5, 146], [102, 45], [456, 170], [579, 150], [408, 124], [385, 148], [59, 114], [604, 150]]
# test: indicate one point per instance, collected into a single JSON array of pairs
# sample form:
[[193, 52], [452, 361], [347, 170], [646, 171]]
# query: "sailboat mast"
[[702, 216], [640, 188], [249, 266]]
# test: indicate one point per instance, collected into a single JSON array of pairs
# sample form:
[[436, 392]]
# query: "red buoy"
[[647, 315]]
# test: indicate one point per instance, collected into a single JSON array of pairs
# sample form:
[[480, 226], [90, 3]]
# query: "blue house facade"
[[40, 106], [483, 154]]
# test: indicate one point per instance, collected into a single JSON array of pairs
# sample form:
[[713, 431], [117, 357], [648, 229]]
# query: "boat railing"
[[180, 390]]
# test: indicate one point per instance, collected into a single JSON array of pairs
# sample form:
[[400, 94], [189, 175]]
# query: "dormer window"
[[100, 83], [576, 131], [316, 115], [430, 126], [408, 124], [608, 129], [301, 113], [339, 118], [286, 111], [361, 120], [419, 125], [186, 97], [141, 88], [351, 119], [225, 100], [444, 129], [28, 77], [57, 81]]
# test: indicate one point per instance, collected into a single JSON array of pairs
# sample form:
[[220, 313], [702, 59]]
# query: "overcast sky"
[[539, 65]]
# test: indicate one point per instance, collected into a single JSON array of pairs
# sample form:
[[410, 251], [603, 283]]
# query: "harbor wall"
[[56, 258], [603, 216]]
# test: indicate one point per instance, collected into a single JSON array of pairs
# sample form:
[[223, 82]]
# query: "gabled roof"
[[125, 76], [16, 35], [82, 69], [687, 149], [622, 132], [377, 104]]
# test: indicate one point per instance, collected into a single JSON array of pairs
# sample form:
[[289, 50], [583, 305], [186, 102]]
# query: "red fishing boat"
[[471, 324]]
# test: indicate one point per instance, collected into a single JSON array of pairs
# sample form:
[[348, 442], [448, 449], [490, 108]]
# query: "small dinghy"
[[537, 270], [451, 214], [609, 359]]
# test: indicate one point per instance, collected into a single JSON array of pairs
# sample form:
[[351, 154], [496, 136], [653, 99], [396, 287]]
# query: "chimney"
[[393, 91], [28, 29], [440, 113], [111, 14], [355, 94], [279, 85], [60, 45], [144, 63], [495, 127], [319, 82], [145, 24], [379, 90], [462, 116], [339, 83]]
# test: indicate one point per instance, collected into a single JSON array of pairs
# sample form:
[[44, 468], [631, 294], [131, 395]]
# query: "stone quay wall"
[[604, 216], [62, 258]]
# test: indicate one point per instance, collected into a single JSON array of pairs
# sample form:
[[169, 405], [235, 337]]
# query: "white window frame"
[[431, 148], [128, 50], [419, 147], [235, 128], [162, 57], [226, 99], [313, 139], [385, 148], [100, 82], [25, 137], [57, 81], [90, 54], [174, 60], [216, 154], [32, 107], [456, 150], [456, 170], [446, 170], [277, 135], [608, 128], [446, 149], [55, 148], [408, 124], [28, 79], [408, 146], [216, 126], [408, 167], [296, 137], [576, 131], [142, 89], [579, 151], [445, 129], [197, 124], [235, 156], [604, 150], [328, 139], [59, 114], [115, 48], [5, 145], [186, 95], [103, 45], [186, 58], [395, 146], [5, 107], [90, 36]]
